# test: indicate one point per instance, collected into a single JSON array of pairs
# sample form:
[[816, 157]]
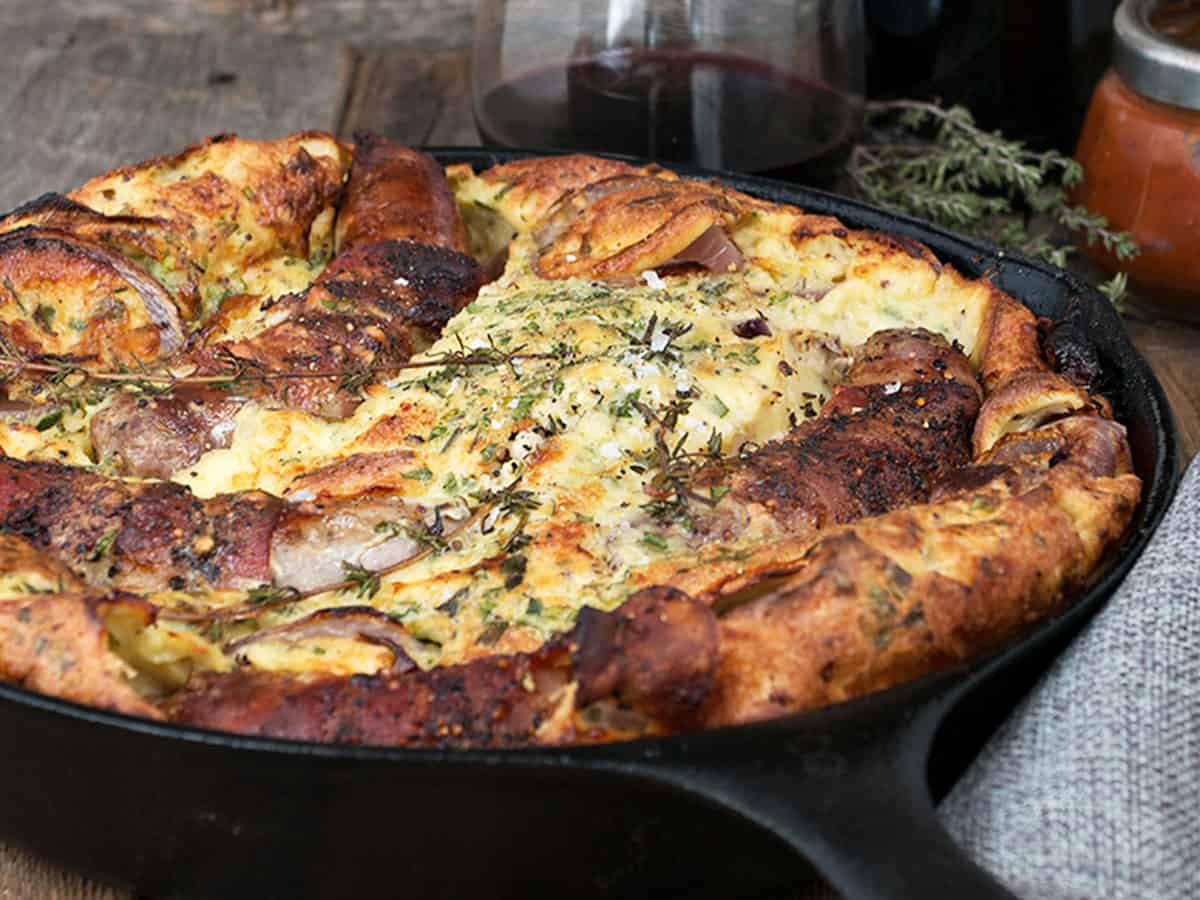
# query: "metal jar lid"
[[1150, 62]]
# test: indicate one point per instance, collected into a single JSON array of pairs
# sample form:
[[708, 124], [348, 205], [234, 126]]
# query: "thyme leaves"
[[937, 163]]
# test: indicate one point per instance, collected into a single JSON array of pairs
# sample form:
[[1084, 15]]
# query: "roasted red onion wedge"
[[713, 250]]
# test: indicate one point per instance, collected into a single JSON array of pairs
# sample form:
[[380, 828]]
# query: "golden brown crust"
[[1008, 342], [655, 655], [526, 188], [25, 569], [57, 644], [889, 598], [867, 543], [1023, 392], [273, 190], [67, 296], [628, 224], [1024, 402]]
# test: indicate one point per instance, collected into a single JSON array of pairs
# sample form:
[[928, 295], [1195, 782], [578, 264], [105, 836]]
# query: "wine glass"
[[772, 87]]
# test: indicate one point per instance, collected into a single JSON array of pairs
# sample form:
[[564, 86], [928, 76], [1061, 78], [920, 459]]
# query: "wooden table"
[[88, 86]]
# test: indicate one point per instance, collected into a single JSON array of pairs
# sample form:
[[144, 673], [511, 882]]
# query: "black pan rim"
[[958, 679]]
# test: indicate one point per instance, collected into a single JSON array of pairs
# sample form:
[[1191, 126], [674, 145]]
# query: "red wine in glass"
[[712, 110]]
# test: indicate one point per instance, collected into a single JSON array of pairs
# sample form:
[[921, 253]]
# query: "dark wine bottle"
[[1025, 67]]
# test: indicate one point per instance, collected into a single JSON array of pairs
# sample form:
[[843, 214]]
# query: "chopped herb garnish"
[[624, 407], [431, 535], [450, 440], [104, 546], [450, 606], [15, 296], [746, 354], [492, 633], [658, 340], [44, 316], [363, 582], [508, 500], [269, 593], [513, 567], [49, 420], [733, 555], [714, 288], [657, 541], [421, 474], [524, 404]]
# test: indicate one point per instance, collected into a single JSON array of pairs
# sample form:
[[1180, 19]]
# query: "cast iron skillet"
[[748, 811]]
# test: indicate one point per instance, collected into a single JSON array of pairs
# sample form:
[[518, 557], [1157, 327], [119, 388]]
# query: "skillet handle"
[[851, 796]]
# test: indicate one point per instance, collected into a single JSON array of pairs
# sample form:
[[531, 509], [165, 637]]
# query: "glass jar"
[[1140, 149]]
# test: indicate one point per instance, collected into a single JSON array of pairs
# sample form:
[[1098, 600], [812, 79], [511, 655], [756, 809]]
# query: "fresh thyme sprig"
[[673, 469], [427, 534], [936, 163], [364, 582], [234, 371], [658, 340]]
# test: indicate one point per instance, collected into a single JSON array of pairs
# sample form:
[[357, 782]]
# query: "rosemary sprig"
[[936, 163]]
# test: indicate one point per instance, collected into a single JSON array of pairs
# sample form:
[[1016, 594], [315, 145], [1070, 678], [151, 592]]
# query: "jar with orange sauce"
[[1140, 149]]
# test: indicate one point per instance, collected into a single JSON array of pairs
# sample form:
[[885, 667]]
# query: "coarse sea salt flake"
[[892, 388], [651, 278]]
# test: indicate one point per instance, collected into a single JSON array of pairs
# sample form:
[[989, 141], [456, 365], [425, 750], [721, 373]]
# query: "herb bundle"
[[936, 163]]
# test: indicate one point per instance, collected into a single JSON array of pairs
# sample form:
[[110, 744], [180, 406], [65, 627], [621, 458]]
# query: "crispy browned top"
[[914, 500]]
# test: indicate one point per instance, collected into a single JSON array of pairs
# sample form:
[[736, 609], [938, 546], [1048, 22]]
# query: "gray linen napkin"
[[1092, 788]]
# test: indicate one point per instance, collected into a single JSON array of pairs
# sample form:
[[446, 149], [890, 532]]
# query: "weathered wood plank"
[[431, 24], [1174, 351], [81, 102], [412, 96]]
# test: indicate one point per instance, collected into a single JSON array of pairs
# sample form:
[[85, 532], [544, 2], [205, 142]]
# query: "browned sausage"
[[395, 193]]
